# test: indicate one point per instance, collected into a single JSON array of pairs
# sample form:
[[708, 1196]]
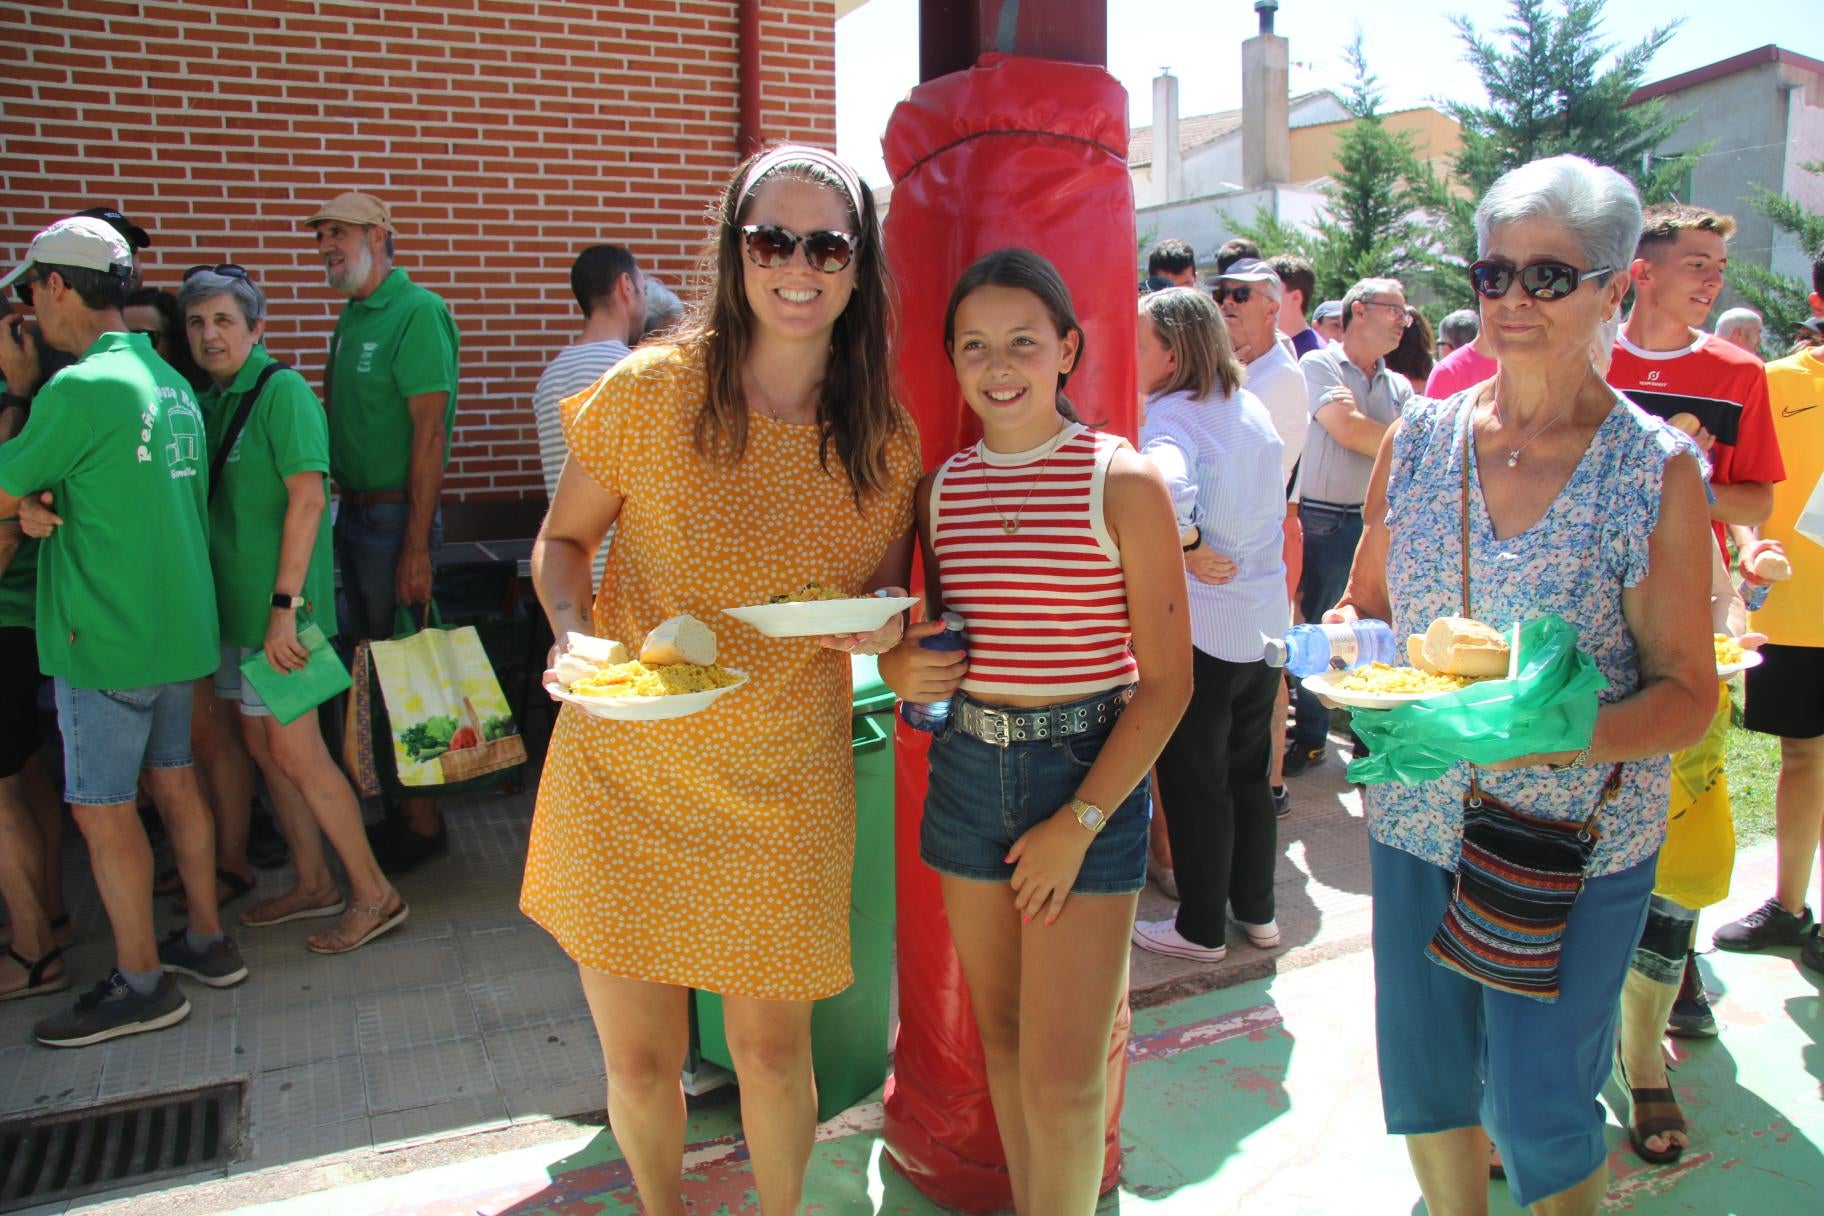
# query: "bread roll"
[[1770, 567], [570, 668], [1415, 654], [603, 652], [1687, 423], [682, 639], [1458, 646]]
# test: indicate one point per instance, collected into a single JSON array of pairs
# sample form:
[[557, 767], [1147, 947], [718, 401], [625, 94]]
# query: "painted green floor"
[[1256, 1099]]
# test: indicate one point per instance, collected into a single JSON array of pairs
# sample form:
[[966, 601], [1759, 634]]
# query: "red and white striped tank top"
[[1046, 602]]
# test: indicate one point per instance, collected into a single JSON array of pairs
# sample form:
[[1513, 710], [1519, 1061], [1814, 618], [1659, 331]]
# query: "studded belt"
[[1002, 727]]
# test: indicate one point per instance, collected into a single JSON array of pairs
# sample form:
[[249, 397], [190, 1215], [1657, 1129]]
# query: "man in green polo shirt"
[[390, 388], [125, 608]]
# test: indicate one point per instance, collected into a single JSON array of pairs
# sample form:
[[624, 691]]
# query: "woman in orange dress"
[[762, 451]]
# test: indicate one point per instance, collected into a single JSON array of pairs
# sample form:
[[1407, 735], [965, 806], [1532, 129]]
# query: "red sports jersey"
[[1724, 386]]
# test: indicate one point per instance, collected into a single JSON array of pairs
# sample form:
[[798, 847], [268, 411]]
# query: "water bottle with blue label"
[[931, 715], [1309, 649]]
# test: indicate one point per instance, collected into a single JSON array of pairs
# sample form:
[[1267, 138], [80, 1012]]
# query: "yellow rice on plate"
[[1728, 651], [1379, 679], [636, 679], [809, 592]]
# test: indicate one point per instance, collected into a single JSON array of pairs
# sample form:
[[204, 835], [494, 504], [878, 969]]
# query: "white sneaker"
[[1264, 936], [1162, 937]]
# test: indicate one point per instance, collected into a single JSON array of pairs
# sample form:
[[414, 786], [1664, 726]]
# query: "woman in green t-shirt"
[[271, 557]]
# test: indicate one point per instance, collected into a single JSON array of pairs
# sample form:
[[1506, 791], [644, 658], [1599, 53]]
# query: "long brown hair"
[[1028, 271], [856, 405], [1187, 324]]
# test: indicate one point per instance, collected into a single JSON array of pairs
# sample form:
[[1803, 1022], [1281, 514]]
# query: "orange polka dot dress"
[[712, 851]]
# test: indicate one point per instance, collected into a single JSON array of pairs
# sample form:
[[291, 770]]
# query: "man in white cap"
[[125, 608], [390, 388]]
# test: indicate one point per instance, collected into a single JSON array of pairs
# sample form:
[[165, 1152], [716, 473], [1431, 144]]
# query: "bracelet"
[[1577, 761], [13, 401], [1194, 544]]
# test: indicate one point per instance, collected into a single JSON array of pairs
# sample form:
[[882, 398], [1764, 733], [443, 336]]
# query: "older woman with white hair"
[[271, 554], [1537, 491]]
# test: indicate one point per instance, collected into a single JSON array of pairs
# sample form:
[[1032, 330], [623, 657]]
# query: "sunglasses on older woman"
[[226, 268], [770, 246], [1541, 280]]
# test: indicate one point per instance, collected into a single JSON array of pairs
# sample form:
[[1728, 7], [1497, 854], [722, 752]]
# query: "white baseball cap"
[[80, 241]]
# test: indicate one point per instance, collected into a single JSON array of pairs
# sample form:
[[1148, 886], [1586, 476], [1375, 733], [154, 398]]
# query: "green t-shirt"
[[19, 581], [285, 433], [125, 596], [399, 342]]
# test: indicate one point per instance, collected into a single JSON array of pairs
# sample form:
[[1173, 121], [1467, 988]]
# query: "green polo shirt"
[[285, 434], [125, 597], [399, 342], [19, 581]]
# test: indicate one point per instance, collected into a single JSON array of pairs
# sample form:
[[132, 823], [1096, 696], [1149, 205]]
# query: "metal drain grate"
[[49, 1157]]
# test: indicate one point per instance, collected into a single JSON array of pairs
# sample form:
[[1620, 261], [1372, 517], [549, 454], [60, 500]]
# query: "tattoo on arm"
[[563, 607]]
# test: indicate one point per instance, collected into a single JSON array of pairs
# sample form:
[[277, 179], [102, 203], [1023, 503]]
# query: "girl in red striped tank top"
[[1057, 545]]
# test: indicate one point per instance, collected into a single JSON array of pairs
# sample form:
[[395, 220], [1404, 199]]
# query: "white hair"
[[1599, 207], [1737, 318], [1365, 290]]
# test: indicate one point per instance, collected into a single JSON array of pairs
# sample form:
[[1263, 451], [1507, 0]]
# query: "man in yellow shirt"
[[1785, 695]]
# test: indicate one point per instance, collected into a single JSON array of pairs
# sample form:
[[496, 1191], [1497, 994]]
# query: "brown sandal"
[[36, 982], [1652, 1112], [386, 922]]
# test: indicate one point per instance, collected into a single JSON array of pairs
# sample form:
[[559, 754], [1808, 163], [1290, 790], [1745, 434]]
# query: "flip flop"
[[1652, 1112], [35, 982], [238, 887], [322, 910], [387, 923]]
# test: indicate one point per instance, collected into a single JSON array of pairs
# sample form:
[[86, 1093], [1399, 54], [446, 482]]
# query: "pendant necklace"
[[1010, 526], [1513, 456]]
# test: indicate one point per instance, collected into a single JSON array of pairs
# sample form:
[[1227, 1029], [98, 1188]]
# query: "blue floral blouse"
[[1589, 545]]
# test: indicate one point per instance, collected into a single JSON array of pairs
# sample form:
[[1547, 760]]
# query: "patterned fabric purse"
[[1518, 876]]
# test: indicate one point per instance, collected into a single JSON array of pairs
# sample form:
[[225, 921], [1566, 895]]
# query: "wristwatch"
[[1576, 761], [1088, 814], [281, 600]]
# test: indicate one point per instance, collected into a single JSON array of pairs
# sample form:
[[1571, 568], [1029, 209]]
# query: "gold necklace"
[[1010, 526]]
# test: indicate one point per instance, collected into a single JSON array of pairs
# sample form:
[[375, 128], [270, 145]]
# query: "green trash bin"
[[849, 1030]]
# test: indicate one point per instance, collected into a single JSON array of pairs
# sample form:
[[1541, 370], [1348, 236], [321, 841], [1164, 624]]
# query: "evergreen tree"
[[1555, 85], [1782, 301], [1369, 227]]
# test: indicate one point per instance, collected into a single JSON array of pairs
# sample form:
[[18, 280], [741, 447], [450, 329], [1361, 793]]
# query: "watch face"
[[1093, 818]]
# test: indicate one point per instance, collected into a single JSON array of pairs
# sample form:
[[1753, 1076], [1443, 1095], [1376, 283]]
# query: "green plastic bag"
[[1549, 706]]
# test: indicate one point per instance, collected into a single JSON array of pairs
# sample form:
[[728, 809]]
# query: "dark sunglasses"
[[23, 287], [1241, 294], [1540, 280], [770, 246], [226, 268]]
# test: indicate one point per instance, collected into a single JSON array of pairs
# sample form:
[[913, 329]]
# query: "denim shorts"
[[231, 685], [982, 798], [367, 545], [109, 734]]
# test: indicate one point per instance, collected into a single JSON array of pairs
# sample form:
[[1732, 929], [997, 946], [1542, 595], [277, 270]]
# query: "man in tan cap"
[[390, 388]]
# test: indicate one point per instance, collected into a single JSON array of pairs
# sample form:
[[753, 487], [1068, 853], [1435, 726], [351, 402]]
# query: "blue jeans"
[[367, 543], [1455, 1054], [1331, 535], [110, 734]]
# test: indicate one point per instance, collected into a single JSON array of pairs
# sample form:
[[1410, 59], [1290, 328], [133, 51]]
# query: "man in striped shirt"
[[606, 282]]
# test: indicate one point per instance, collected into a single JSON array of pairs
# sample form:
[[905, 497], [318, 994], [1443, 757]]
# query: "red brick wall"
[[504, 135]]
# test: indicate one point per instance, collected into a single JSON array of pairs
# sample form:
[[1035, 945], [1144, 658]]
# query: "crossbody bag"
[[1519, 874]]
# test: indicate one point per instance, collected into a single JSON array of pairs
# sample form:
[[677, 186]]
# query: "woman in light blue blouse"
[[1580, 504], [1219, 451]]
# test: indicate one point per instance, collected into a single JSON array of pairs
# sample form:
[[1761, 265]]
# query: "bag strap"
[[1469, 426], [242, 411]]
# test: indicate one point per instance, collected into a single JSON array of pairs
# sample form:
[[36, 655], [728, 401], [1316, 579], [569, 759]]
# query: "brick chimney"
[[1266, 136], [1168, 156]]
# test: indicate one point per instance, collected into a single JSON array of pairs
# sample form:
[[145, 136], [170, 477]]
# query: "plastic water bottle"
[[1309, 649], [1754, 595], [931, 715]]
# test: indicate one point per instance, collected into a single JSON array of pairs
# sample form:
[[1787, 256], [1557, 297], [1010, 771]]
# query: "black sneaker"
[[1691, 1017], [1767, 925], [399, 850], [111, 1009], [1299, 758], [1813, 954], [218, 966], [1282, 800]]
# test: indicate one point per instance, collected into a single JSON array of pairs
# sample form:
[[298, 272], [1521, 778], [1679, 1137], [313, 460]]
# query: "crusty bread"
[[1415, 654], [1770, 566], [682, 639], [603, 652], [1458, 646]]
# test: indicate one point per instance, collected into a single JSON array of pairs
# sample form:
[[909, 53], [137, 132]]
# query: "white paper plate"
[[1750, 658], [646, 709], [1322, 684], [820, 618]]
